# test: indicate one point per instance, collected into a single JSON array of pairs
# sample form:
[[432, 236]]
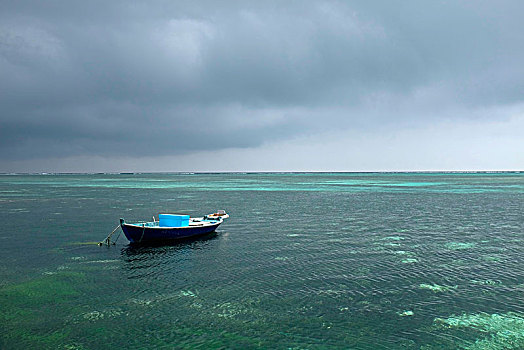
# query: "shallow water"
[[314, 261]]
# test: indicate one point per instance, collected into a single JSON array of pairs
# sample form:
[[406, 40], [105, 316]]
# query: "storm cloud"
[[168, 78]]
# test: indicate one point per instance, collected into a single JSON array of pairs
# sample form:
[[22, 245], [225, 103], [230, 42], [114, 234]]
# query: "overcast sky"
[[261, 85]]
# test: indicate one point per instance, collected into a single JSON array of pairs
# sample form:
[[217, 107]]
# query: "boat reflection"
[[134, 251]]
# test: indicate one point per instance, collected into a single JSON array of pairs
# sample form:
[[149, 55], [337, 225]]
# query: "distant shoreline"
[[271, 172]]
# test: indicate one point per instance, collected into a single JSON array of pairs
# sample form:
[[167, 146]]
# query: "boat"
[[172, 227]]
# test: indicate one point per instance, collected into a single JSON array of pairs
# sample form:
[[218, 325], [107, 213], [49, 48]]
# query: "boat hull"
[[145, 234]]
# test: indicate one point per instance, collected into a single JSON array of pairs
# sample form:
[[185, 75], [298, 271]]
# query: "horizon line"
[[264, 172]]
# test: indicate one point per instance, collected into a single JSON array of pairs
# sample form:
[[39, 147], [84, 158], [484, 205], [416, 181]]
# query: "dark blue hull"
[[139, 234]]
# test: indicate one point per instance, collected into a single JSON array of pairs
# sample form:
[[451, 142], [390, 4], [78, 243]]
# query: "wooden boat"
[[171, 227]]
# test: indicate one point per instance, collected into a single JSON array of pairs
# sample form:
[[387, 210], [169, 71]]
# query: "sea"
[[305, 261]]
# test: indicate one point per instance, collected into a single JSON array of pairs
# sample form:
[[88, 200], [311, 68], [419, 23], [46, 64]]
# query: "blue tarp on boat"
[[172, 220]]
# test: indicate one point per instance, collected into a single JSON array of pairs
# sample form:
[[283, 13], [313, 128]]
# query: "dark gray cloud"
[[126, 78]]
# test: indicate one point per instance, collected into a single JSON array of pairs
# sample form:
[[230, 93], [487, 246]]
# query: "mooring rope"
[[143, 231], [108, 238], [117, 237]]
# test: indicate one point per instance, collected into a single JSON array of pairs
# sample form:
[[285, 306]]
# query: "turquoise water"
[[306, 261]]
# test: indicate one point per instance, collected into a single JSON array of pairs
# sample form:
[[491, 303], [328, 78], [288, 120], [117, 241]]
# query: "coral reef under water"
[[505, 331], [436, 287]]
